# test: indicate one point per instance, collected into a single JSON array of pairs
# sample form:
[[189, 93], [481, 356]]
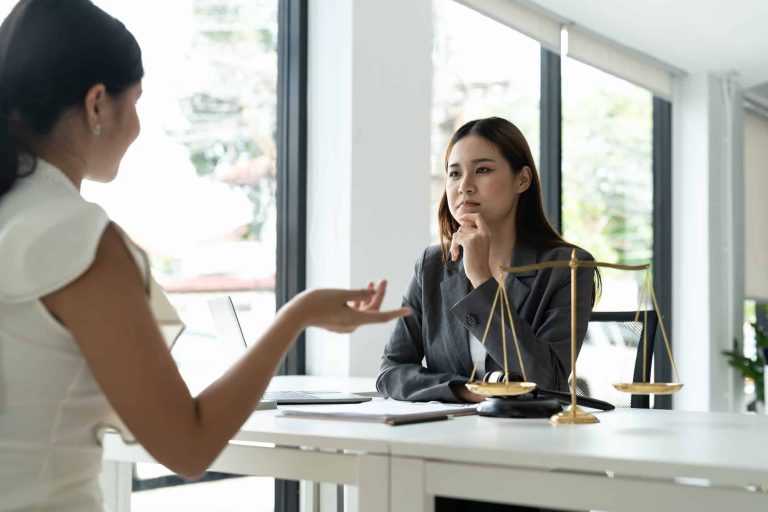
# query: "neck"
[[72, 165], [503, 239]]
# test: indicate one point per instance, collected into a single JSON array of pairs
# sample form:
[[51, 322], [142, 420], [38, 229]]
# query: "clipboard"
[[386, 411]]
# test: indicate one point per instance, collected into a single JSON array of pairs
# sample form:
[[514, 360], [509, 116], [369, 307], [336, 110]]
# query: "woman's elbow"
[[381, 382], [190, 473], [189, 458], [189, 468]]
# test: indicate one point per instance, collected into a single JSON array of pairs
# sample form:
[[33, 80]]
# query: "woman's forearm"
[[224, 406]]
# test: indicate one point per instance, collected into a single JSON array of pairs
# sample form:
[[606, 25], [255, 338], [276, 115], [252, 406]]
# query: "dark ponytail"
[[9, 158], [51, 53]]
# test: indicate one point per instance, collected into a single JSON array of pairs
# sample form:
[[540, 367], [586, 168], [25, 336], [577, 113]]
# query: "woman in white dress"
[[79, 333]]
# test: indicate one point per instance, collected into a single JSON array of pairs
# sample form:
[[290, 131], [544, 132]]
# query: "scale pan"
[[500, 388], [649, 388]]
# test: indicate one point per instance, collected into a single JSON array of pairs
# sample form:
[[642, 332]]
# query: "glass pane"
[[607, 184], [197, 188], [481, 69], [750, 350]]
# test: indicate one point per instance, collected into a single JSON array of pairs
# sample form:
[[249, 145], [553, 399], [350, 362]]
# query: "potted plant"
[[752, 367]]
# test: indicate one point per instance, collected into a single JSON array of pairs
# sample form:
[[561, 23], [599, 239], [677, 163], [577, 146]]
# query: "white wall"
[[370, 99], [708, 239]]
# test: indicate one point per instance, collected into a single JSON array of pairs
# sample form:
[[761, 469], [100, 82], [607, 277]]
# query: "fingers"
[[353, 296], [472, 220], [480, 221], [362, 307], [364, 304], [372, 317], [378, 296], [458, 240], [362, 317], [468, 220]]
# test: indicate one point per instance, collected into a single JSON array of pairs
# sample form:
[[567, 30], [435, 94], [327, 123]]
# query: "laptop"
[[232, 339]]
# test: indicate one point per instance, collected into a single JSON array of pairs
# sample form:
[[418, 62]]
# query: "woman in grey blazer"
[[491, 214]]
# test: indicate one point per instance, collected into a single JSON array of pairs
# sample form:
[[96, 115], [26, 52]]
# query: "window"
[[607, 176], [197, 190], [752, 310], [493, 75]]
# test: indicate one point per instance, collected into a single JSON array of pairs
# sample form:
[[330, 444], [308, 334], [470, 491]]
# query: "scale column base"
[[573, 415]]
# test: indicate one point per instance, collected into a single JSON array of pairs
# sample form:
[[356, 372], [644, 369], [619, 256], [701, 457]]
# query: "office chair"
[[613, 343]]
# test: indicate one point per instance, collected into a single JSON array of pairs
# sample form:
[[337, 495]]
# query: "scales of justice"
[[573, 414]]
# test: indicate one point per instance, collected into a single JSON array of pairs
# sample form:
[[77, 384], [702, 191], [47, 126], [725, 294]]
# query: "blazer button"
[[470, 320]]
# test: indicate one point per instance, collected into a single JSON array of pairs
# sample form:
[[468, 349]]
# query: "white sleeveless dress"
[[51, 407]]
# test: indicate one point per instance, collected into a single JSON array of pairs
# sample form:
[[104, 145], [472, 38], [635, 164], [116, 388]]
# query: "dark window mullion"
[[291, 189], [662, 237], [550, 160], [291, 164], [761, 314]]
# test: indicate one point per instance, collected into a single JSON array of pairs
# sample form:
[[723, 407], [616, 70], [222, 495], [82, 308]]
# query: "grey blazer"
[[446, 309]]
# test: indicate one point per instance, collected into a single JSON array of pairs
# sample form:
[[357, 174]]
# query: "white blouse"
[[478, 353], [51, 407]]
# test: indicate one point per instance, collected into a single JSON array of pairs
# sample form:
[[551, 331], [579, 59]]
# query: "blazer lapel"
[[524, 254], [454, 288]]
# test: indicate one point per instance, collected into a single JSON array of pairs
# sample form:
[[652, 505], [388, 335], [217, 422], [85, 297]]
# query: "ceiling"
[[692, 35]]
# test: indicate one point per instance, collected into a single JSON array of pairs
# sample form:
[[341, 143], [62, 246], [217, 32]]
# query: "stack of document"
[[391, 412]]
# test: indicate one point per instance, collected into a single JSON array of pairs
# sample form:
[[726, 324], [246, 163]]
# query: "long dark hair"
[[531, 222], [51, 53]]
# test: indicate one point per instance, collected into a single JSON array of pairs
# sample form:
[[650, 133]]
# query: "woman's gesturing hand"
[[344, 310], [473, 235]]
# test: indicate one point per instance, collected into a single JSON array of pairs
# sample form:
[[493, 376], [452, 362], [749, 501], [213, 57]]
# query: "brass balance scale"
[[573, 414]]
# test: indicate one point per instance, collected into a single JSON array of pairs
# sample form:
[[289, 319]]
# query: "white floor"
[[246, 494]]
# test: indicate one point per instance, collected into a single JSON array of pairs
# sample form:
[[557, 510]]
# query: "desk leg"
[[408, 486], [372, 492], [116, 484]]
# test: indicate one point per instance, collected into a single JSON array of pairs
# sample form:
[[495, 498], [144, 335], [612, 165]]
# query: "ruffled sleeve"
[[47, 245]]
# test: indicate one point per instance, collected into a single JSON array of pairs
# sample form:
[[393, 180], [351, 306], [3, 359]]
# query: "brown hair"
[[531, 222]]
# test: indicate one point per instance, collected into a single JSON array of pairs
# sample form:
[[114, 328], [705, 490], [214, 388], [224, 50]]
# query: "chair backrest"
[[612, 353]]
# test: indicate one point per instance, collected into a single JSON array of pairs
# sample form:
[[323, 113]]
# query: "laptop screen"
[[227, 325]]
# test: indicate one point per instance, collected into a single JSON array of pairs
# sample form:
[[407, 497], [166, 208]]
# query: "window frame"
[[550, 170], [291, 198], [551, 143], [662, 236], [291, 165]]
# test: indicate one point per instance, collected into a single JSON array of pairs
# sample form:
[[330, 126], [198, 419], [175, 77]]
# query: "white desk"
[[402, 468], [660, 460], [347, 453]]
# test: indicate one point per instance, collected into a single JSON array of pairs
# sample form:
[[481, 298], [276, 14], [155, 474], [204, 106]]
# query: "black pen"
[[422, 419]]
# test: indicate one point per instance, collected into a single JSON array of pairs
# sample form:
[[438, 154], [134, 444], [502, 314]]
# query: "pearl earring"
[[97, 129]]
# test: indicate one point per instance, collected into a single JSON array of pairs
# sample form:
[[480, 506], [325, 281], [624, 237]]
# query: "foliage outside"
[[751, 367]]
